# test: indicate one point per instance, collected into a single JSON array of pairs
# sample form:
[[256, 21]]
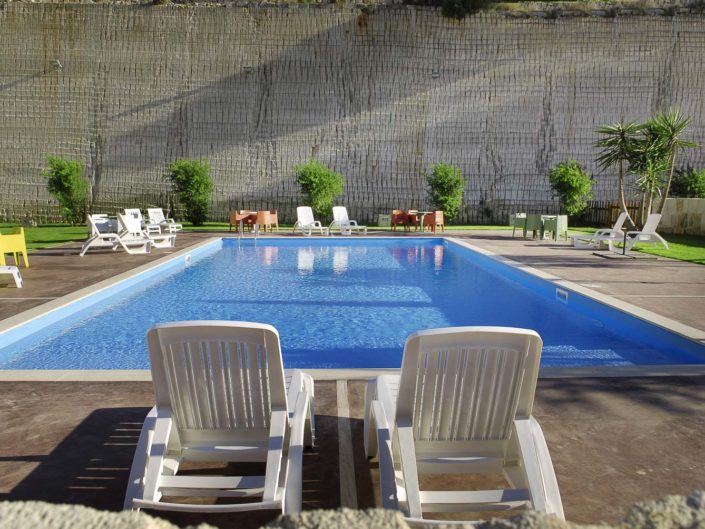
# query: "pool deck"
[[614, 441]]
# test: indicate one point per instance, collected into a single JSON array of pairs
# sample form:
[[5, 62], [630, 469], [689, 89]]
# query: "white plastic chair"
[[146, 226], [343, 223], [462, 404], [129, 228], [15, 272], [104, 235], [306, 223], [604, 236], [221, 395], [156, 217], [647, 234]]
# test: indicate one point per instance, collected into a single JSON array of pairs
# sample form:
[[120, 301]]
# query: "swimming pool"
[[339, 303]]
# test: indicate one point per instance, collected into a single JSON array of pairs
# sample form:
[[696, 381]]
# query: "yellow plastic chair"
[[13, 243]]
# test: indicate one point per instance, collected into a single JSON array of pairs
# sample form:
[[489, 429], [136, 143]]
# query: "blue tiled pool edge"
[[107, 287]]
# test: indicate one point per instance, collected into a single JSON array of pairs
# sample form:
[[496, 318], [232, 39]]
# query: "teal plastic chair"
[[519, 221], [557, 225]]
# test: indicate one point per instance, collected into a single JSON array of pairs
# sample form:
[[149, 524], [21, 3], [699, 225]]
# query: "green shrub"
[[320, 184], [193, 186], [572, 185], [69, 187], [459, 9], [445, 189], [688, 183]]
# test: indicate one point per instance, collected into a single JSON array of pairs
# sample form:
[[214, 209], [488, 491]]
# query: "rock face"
[[378, 95], [671, 512]]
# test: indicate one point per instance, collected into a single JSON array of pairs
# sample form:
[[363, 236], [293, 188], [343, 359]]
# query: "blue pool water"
[[344, 303]]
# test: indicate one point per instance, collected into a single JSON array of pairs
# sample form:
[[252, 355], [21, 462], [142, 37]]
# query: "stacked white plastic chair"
[[462, 404], [221, 395]]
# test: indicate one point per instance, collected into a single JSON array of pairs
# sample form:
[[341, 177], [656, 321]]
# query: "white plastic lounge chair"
[[103, 235], [15, 272], [130, 228], [156, 216], [306, 223], [343, 223], [604, 236], [462, 404], [146, 226], [221, 395], [647, 234]]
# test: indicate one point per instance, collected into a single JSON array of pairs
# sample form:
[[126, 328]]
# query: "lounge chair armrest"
[[387, 489], [543, 486], [275, 450], [407, 456], [292, 498], [149, 457]]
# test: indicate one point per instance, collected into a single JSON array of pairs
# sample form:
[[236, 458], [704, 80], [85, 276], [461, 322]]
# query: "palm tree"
[[618, 144], [649, 163], [668, 129]]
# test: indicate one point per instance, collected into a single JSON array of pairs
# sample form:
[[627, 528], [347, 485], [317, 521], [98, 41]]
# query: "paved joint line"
[[348, 490], [20, 299], [659, 296]]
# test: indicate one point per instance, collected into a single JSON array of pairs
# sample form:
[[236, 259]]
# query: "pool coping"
[[135, 375]]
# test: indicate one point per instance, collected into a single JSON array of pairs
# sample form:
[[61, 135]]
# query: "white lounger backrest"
[[651, 224], [217, 375], [134, 212], [156, 215], [129, 223], [340, 214], [620, 221], [468, 383], [304, 214]]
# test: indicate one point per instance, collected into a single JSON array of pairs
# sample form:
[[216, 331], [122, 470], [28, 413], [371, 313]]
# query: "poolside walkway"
[[614, 441]]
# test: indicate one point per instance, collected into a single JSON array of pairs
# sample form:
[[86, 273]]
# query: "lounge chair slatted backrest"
[[461, 405], [467, 393], [221, 395], [218, 382]]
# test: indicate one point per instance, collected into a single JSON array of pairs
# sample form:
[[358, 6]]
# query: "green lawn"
[[689, 248]]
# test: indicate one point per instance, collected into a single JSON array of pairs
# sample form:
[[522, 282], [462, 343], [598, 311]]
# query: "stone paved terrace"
[[614, 441]]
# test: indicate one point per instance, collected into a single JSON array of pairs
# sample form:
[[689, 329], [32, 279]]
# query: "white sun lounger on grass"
[[461, 405], [222, 395], [103, 235], [130, 228], [606, 236], [343, 223], [306, 223], [647, 234], [156, 217]]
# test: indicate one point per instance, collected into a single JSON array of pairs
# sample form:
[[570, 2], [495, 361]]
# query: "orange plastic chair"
[[275, 219], [399, 216], [264, 219], [433, 220], [15, 244]]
